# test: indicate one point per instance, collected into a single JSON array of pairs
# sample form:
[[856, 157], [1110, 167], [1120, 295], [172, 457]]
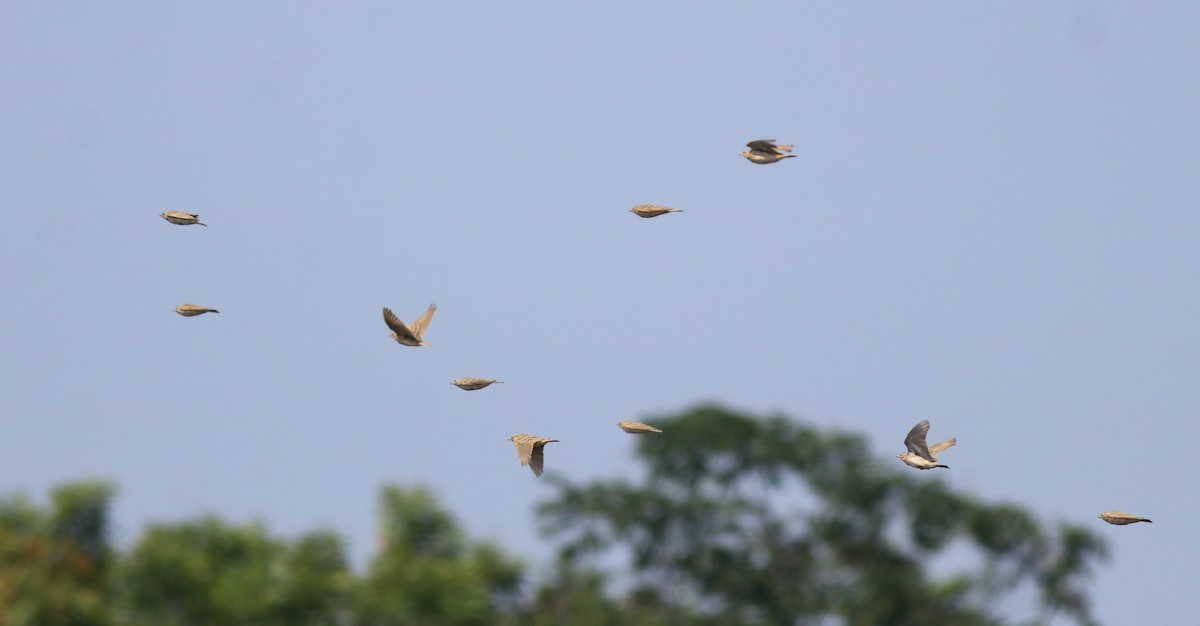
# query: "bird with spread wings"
[[409, 335]]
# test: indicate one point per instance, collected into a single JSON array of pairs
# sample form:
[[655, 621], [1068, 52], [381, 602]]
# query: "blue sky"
[[991, 224]]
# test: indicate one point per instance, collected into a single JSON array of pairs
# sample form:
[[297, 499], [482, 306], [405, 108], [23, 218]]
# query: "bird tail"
[[202, 224], [945, 466], [214, 310], [787, 156]]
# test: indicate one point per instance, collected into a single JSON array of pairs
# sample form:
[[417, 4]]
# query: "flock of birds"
[[531, 448]]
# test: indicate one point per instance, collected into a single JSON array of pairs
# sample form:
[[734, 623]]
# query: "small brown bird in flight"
[[919, 455], [409, 335], [1121, 519], [181, 218], [652, 210], [763, 151], [192, 310], [471, 384], [637, 428], [529, 451]]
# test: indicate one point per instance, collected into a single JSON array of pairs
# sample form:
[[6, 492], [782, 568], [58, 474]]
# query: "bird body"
[[409, 335], [764, 151], [471, 384], [637, 428], [529, 450], [652, 210], [181, 218], [1122, 519], [919, 455], [192, 310]]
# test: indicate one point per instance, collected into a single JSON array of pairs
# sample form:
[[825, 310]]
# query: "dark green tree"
[[767, 521], [211, 572], [577, 596], [426, 573], [55, 565]]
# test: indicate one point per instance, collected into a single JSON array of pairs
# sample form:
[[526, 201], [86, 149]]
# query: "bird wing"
[[535, 459], [1123, 518], [419, 326], [936, 448], [524, 445], [637, 427], [765, 145], [915, 441], [397, 326]]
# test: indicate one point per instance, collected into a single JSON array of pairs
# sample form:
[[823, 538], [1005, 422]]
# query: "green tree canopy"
[[55, 564], [427, 573], [210, 572], [740, 521], [746, 520]]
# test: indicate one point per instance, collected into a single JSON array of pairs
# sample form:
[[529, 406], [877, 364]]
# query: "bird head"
[[745, 153], [900, 456]]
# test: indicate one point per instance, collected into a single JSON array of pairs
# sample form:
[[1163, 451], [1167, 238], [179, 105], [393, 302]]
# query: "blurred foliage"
[[744, 520], [426, 573], [55, 564], [741, 521], [211, 572]]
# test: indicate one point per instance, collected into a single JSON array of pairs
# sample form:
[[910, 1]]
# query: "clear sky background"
[[991, 223]]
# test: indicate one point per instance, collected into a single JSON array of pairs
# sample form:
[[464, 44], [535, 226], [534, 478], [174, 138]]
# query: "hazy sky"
[[992, 224]]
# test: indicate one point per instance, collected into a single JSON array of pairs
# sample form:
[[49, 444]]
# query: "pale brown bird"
[[409, 335], [529, 450], [637, 428], [919, 455], [1121, 519], [652, 210], [763, 151], [192, 310], [181, 218], [471, 384]]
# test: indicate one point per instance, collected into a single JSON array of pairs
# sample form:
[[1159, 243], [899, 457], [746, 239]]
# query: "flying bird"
[[652, 210], [1121, 519], [919, 455], [192, 310], [637, 428], [529, 451], [471, 384], [181, 218], [409, 335], [763, 151]]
